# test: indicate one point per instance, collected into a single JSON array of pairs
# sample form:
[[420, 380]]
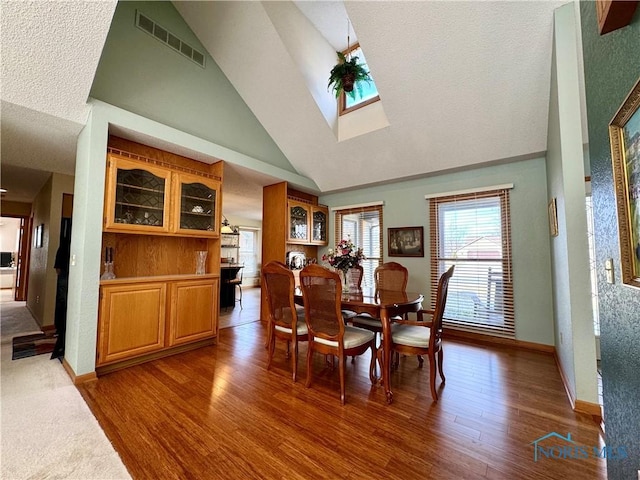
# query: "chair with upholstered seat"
[[328, 334], [283, 321], [423, 336], [389, 276]]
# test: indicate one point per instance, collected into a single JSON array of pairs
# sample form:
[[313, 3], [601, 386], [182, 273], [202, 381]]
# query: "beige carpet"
[[47, 430]]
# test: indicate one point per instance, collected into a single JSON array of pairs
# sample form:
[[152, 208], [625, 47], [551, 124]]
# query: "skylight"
[[369, 89]]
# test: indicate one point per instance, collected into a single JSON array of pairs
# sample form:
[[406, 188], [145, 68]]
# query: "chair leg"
[[294, 360], [271, 343], [240, 288], [372, 367], [309, 361], [420, 361], [432, 376], [440, 358], [341, 367]]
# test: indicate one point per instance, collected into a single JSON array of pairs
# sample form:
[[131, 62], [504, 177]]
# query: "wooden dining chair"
[[328, 334], [389, 276], [423, 336], [283, 321]]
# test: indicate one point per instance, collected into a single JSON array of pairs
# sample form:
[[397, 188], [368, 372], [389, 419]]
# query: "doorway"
[[15, 233]]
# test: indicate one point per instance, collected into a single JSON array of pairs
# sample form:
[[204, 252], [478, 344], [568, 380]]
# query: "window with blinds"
[[472, 232], [364, 227]]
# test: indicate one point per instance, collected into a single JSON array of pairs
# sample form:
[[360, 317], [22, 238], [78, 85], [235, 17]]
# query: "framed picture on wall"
[[624, 135], [405, 242]]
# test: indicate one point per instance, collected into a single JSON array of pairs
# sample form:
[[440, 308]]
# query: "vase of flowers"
[[345, 256]]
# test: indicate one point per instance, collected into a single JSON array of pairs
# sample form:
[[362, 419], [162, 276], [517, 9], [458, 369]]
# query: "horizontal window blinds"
[[363, 225], [472, 232]]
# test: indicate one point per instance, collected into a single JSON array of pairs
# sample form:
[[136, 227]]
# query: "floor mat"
[[30, 345]]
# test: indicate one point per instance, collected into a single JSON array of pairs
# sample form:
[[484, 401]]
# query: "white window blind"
[[248, 251], [472, 232], [363, 225]]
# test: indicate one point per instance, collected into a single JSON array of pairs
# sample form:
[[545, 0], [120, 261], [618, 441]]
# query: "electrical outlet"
[[37, 298]]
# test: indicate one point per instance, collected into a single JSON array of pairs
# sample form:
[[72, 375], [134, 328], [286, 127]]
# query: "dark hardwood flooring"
[[216, 412]]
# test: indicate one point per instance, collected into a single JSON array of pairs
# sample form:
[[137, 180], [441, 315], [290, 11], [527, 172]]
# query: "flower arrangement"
[[345, 256]]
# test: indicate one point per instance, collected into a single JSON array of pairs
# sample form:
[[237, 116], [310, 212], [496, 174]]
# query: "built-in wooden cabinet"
[[291, 221], [196, 204], [193, 312], [132, 321], [307, 223], [161, 211], [141, 197], [136, 197], [142, 317], [319, 224], [299, 218]]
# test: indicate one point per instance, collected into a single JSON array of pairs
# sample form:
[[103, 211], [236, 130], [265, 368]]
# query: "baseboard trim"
[[491, 340], [78, 379], [119, 365], [580, 406], [589, 408]]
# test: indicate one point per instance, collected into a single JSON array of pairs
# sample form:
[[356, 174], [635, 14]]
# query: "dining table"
[[382, 304]]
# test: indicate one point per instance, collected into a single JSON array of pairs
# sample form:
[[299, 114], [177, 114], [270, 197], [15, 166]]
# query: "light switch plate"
[[608, 268]]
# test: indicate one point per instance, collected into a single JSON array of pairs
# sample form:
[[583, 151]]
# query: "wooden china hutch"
[[291, 221], [160, 209]]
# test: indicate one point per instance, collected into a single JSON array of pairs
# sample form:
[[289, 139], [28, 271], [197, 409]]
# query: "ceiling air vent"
[[147, 25]]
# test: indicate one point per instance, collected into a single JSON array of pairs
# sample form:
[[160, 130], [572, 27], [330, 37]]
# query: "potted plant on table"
[[347, 74]]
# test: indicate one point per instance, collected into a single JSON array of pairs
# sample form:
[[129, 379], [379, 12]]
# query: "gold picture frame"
[[624, 135], [553, 218]]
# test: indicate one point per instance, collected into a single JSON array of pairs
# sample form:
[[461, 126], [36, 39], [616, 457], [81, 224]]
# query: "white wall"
[[575, 339]]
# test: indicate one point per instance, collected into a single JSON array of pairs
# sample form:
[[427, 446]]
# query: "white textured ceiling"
[[462, 83], [50, 52]]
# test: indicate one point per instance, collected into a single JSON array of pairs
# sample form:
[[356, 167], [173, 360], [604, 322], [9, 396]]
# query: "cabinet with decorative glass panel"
[[161, 214], [137, 200]]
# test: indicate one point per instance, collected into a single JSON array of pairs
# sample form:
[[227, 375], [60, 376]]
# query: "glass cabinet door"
[[137, 197], [320, 215], [197, 200], [299, 222]]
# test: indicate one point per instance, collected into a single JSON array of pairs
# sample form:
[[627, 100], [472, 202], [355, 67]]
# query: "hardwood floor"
[[217, 413]]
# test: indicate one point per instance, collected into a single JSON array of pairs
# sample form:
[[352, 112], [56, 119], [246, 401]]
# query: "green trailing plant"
[[347, 74]]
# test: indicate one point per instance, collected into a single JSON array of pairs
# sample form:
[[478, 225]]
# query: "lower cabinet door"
[[193, 311], [132, 321]]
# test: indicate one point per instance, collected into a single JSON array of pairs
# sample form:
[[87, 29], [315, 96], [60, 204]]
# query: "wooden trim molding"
[[614, 14], [580, 406], [78, 379], [491, 340]]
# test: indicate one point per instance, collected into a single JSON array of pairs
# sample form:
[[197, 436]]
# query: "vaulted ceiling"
[[461, 83]]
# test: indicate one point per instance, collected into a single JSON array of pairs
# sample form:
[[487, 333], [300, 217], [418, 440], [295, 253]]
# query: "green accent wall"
[[141, 74], [405, 205], [611, 67]]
